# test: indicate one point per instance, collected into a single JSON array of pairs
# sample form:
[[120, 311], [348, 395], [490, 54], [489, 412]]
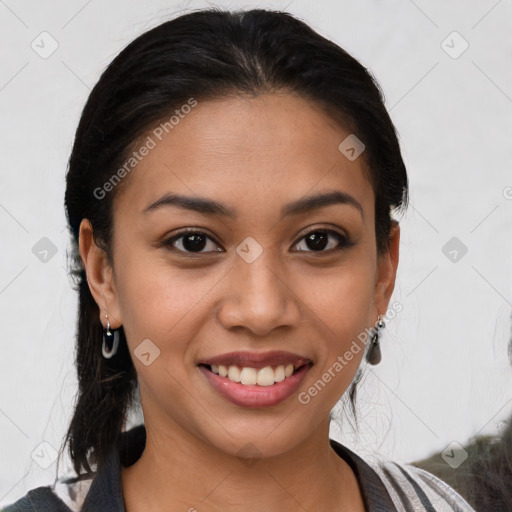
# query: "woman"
[[229, 197]]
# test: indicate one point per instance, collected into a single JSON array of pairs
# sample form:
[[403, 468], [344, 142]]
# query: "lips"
[[255, 397], [236, 376], [257, 359]]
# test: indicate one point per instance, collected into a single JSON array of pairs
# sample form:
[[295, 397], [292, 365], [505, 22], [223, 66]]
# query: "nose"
[[258, 297]]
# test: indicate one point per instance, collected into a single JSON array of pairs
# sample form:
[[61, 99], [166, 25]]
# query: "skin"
[[254, 155]]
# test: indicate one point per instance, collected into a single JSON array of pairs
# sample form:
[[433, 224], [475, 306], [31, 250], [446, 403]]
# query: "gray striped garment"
[[385, 486]]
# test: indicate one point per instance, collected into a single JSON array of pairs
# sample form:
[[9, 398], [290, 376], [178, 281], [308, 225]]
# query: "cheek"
[[344, 295], [159, 303], [344, 310]]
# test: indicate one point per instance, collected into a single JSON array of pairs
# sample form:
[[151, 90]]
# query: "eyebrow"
[[212, 207]]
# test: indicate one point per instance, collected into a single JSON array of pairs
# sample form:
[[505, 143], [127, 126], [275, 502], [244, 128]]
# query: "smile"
[[255, 380], [248, 376]]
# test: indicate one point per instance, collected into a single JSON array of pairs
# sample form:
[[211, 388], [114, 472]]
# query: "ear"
[[387, 264], [100, 276]]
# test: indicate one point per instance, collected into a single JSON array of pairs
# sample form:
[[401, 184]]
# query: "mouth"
[[249, 376], [255, 380]]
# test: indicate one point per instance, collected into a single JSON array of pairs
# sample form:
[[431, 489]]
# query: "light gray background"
[[445, 374]]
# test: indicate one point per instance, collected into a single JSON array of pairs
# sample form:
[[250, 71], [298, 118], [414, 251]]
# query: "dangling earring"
[[110, 341], [373, 356]]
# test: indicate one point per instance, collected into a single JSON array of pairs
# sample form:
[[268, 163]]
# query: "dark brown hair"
[[204, 54]]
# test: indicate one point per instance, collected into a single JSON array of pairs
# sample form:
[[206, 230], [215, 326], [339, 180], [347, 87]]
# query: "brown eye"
[[191, 242], [321, 239]]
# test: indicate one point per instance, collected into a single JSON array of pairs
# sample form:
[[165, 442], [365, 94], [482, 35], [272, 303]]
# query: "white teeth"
[[234, 373], [265, 376], [250, 376], [279, 374]]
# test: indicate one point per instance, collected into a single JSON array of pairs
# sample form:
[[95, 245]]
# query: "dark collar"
[[375, 495], [105, 493]]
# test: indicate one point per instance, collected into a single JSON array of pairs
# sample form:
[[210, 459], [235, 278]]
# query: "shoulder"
[[41, 499], [66, 495], [412, 488], [388, 485]]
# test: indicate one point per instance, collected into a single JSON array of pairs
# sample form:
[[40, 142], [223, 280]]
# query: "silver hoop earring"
[[374, 356], [110, 341]]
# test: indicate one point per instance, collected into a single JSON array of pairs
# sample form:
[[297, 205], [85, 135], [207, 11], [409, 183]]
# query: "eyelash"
[[343, 241]]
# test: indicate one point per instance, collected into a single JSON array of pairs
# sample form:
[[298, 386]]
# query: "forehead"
[[253, 151]]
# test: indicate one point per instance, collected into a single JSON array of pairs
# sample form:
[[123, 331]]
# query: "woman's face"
[[269, 271]]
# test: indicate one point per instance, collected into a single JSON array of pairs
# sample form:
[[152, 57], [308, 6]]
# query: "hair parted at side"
[[204, 54]]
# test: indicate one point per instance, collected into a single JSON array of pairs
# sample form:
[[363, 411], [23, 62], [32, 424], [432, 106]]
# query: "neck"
[[192, 476]]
